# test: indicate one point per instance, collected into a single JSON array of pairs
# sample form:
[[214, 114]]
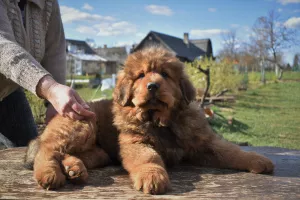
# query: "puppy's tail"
[[31, 152]]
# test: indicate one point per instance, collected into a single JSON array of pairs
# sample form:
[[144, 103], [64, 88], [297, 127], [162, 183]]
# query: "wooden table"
[[188, 182]]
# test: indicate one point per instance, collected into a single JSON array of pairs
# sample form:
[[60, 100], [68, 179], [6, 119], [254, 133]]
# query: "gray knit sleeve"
[[16, 63], [54, 59]]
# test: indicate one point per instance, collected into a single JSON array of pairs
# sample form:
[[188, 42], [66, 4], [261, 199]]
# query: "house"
[[82, 59], [113, 54], [81, 64], [185, 49]]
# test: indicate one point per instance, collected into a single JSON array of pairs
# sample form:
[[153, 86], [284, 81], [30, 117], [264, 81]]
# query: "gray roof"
[[81, 45], [181, 49], [118, 54], [203, 44]]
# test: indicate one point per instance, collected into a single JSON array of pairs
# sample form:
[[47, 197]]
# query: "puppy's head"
[[151, 79]]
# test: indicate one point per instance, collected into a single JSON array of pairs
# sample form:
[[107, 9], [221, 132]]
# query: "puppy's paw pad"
[[75, 170]]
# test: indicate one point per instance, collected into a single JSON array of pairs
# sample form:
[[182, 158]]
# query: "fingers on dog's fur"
[[151, 179], [74, 169]]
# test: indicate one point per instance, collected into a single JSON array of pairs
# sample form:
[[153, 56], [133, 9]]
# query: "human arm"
[[16, 64], [20, 68]]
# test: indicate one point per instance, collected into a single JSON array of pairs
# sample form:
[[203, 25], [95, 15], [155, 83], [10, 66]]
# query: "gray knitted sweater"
[[28, 54]]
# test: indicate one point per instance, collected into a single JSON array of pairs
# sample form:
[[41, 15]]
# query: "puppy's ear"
[[187, 89], [123, 89]]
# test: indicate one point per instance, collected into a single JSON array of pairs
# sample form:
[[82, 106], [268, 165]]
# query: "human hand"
[[64, 99]]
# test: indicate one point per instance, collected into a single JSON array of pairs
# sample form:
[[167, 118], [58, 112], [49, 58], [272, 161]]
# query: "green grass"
[[89, 94], [265, 116], [83, 77], [290, 75]]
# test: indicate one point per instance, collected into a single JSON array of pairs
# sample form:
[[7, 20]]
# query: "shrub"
[[222, 75], [37, 107]]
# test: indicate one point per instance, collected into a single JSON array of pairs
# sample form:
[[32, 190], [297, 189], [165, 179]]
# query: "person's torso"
[[30, 24]]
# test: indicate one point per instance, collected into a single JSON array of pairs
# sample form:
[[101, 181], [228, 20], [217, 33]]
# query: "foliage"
[[255, 77], [37, 107], [265, 116], [222, 75]]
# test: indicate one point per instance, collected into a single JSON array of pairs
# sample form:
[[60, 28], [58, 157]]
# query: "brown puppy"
[[158, 125], [67, 148]]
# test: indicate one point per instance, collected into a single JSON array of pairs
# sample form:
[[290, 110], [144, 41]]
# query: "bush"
[[37, 107], [222, 75]]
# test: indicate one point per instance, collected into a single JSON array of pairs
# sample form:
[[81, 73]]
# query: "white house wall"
[[78, 67]]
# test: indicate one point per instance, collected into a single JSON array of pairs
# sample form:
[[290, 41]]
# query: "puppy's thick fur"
[[156, 125]]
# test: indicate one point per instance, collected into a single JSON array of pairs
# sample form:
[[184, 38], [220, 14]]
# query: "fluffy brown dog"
[[158, 125]]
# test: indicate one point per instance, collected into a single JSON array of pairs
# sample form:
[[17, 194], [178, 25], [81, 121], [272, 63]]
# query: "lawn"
[[266, 116], [89, 94]]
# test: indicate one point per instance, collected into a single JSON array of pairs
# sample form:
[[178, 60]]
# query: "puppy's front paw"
[[260, 164], [75, 170], [49, 176], [151, 179]]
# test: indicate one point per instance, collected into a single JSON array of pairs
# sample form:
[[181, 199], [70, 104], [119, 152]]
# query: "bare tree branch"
[[271, 38], [207, 74]]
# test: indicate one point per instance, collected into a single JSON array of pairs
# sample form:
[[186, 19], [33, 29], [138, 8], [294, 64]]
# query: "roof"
[[202, 44], [177, 45], [88, 57], [118, 54], [82, 45]]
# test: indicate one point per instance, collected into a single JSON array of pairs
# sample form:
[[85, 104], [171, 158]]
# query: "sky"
[[127, 22]]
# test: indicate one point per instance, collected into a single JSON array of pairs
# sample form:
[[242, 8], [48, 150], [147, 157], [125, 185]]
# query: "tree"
[[258, 47], [248, 57], [230, 44], [296, 63], [274, 36]]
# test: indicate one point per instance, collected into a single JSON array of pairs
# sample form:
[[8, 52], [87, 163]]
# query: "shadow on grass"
[[222, 124]]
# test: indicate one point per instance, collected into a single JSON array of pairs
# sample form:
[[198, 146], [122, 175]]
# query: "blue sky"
[[124, 22]]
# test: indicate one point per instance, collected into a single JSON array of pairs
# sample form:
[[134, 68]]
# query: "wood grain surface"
[[188, 182]]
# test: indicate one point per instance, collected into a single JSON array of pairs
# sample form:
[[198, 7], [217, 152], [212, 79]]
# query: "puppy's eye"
[[164, 74], [141, 75]]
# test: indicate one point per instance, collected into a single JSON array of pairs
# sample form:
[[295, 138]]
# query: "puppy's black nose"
[[152, 86]]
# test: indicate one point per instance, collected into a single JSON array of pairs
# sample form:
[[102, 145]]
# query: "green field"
[[89, 94], [266, 116]]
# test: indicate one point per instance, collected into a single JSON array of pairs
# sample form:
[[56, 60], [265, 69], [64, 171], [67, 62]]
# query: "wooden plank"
[[188, 182]]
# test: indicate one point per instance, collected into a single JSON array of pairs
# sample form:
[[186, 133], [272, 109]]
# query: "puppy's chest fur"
[[165, 142]]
